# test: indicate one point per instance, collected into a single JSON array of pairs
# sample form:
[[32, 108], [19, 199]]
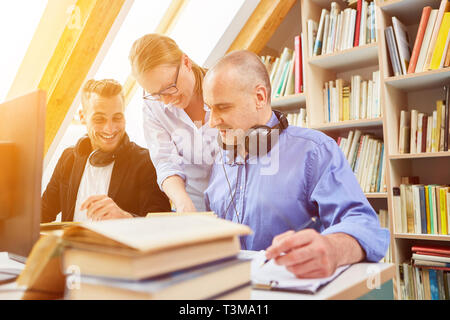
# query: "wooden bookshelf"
[[422, 80], [412, 91], [376, 195], [356, 57], [432, 237], [350, 124], [289, 102], [420, 155]]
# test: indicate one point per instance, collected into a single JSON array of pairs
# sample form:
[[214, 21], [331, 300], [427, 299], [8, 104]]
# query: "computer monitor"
[[22, 128]]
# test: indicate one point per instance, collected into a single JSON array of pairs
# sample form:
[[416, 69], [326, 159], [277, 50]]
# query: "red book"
[[424, 133], [432, 249], [358, 23], [434, 254], [419, 38], [298, 72]]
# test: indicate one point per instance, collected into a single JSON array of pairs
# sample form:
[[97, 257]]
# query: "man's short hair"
[[105, 88], [250, 67]]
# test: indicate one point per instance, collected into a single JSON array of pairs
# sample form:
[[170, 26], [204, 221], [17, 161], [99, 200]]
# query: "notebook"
[[274, 277]]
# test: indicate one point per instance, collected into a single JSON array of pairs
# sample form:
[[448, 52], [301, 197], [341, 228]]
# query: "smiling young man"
[[105, 176], [312, 180]]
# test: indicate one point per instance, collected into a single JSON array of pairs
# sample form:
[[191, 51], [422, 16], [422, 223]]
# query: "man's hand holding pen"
[[305, 253]]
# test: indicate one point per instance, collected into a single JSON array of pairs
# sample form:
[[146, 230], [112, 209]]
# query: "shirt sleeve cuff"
[[170, 173], [372, 239]]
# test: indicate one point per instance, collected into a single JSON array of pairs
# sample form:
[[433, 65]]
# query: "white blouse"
[[178, 146]]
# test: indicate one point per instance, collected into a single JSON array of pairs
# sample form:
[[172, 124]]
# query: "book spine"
[[434, 35], [423, 210], [419, 39], [442, 196], [441, 40], [298, 64], [319, 38], [424, 133], [447, 117], [427, 202], [358, 23]]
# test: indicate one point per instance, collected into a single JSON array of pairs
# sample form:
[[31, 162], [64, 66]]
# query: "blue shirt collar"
[[228, 154]]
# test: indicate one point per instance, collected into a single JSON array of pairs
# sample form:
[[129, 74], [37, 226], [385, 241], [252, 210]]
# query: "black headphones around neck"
[[99, 158], [258, 134]]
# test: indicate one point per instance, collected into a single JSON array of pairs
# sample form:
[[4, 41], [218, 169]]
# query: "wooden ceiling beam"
[[73, 57], [261, 25]]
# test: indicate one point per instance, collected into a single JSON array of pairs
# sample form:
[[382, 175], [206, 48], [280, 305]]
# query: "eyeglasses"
[[170, 90]]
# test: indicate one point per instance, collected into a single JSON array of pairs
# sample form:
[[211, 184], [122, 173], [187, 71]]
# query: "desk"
[[353, 283]]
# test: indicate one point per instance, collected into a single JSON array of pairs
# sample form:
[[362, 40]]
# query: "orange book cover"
[[419, 38]]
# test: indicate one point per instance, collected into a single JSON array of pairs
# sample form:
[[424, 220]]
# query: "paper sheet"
[[280, 278]]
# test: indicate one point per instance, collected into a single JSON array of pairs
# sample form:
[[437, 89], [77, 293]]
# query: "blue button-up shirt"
[[305, 175]]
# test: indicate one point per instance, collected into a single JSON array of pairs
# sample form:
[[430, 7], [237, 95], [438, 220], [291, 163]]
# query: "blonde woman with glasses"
[[181, 143]]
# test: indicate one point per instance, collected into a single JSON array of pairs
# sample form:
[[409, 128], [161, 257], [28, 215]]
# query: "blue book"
[[378, 189], [434, 289], [423, 210]]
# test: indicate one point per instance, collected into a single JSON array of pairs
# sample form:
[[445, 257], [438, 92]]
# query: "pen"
[[309, 224]]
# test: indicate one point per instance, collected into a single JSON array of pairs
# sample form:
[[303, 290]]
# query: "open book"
[[130, 248], [274, 277]]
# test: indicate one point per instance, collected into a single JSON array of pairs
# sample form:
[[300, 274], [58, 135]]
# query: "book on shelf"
[[204, 281], [319, 39], [339, 29], [312, 28], [359, 100], [421, 209], [384, 223], [404, 128], [298, 63], [431, 44], [286, 71], [365, 155], [446, 117], [426, 40], [441, 42], [443, 8], [419, 38], [297, 118], [423, 282], [393, 51], [420, 132], [401, 37]]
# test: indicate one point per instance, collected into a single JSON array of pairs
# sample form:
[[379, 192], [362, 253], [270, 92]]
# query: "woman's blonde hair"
[[153, 50]]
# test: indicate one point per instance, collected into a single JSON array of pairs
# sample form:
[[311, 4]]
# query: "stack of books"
[[384, 223], [427, 276], [286, 71], [430, 51], [358, 100], [365, 155], [297, 118], [339, 30], [421, 209], [161, 257], [420, 132]]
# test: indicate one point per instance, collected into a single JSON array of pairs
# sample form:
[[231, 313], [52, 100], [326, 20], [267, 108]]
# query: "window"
[[22, 17]]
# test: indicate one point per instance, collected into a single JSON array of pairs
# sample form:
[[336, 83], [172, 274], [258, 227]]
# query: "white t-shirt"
[[95, 181]]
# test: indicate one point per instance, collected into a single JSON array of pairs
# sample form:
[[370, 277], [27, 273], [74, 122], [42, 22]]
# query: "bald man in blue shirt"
[[277, 178]]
